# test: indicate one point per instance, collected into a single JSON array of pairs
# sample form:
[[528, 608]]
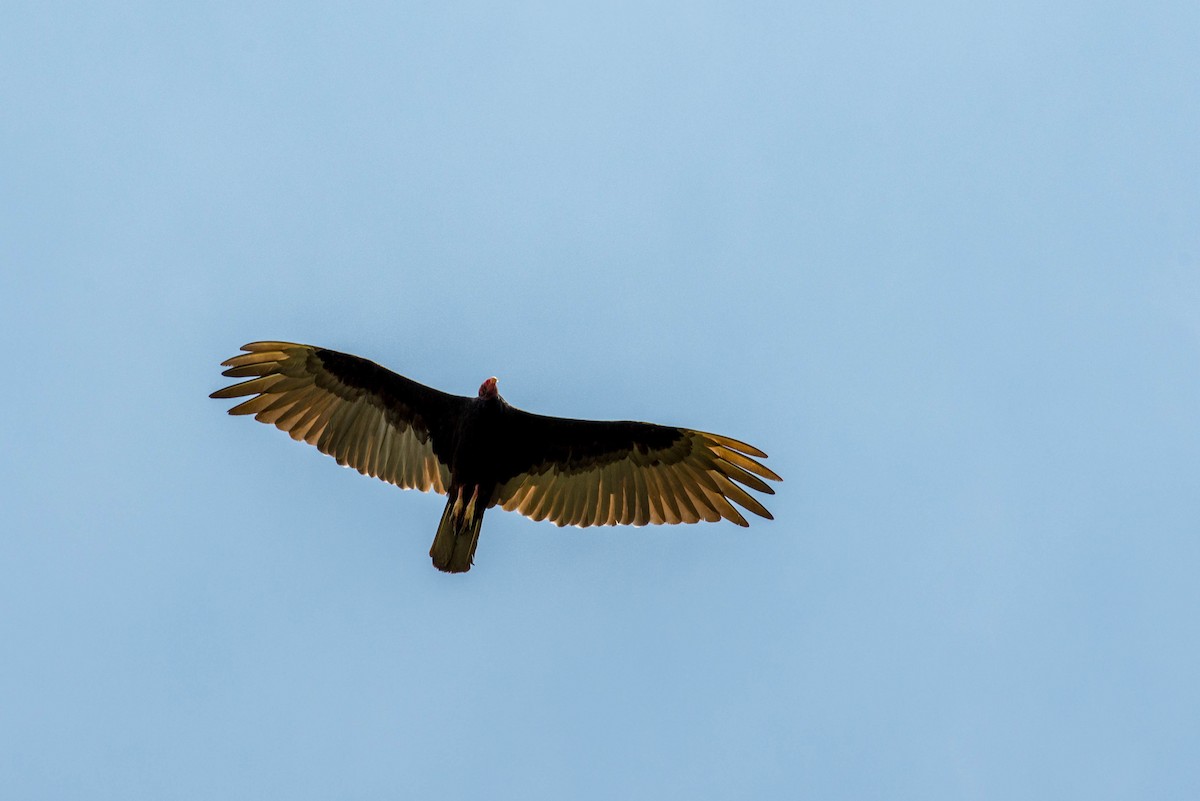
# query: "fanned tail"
[[453, 548]]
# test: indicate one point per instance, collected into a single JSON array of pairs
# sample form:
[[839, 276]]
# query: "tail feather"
[[453, 549]]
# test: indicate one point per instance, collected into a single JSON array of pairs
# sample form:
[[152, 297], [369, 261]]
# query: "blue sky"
[[942, 262]]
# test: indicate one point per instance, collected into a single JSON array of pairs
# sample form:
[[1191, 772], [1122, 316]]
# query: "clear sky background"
[[941, 261]]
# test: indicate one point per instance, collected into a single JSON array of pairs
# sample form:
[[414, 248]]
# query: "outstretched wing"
[[363, 415], [592, 473]]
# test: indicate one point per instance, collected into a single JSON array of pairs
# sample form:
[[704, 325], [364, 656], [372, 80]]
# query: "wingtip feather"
[[735, 444], [265, 345]]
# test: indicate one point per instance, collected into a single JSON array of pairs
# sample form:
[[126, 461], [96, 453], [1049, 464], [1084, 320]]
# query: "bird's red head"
[[487, 390]]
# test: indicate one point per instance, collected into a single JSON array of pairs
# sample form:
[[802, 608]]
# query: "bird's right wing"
[[365, 416], [601, 473]]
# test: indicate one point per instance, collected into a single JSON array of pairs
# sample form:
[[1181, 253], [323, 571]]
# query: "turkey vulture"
[[482, 452]]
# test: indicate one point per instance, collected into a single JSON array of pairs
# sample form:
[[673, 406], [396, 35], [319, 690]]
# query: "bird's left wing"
[[597, 473], [365, 416]]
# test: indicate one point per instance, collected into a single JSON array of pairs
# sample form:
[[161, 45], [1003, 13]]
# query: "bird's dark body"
[[478, 444], [483, 452]]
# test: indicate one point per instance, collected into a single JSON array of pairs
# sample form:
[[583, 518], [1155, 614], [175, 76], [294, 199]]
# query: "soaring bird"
[[481, 452]]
